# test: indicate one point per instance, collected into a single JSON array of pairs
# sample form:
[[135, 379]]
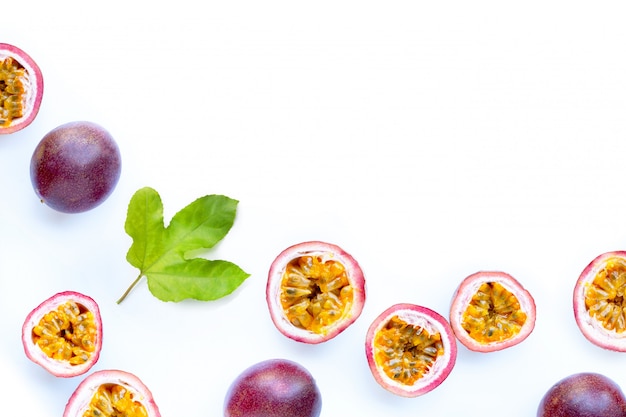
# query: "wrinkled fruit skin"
[[78, 403], [57, 367], [329, 252], [583, 395], [463, 295], [273, 388], [590, 327], [75, 167], [33, 88], [418, 317]]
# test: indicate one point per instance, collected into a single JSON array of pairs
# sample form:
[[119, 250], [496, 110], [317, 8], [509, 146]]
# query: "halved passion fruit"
[[21, 89], [600, 301], [491, 311], [111, 393], [64, 334], [410, 349], [315, 290]]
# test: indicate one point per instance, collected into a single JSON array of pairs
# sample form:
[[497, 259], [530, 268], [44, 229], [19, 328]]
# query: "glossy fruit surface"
[[410, 349], [75, 167], [273, 388], [600, 302], [583, 395], [21, 89], [315, 290], [491, 311], [64, 334], [111, 393]]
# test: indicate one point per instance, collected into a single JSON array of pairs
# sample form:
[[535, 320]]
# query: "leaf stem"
[[129, 289]]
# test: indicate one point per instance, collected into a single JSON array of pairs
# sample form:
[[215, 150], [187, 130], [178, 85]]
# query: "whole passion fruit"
[[273, 388], [75, 167], [600, 301], [21, 89], [583, 395], [410, 349], [491, 311], [64, 334], [111, 393], [315, 290]]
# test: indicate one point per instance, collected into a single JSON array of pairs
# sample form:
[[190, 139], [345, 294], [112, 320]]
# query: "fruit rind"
[[75, 167], [273, 387], [431, 321], [463, 295], [81, 397], [584, 394], [591, 329], [35, 93], [35, 354], [327, 251]]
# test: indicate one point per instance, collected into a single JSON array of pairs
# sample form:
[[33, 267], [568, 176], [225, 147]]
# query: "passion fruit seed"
[[406, 352], [112, 400], [67, 334], [493, 314], [315, 293], [604, 296], [13, 87]]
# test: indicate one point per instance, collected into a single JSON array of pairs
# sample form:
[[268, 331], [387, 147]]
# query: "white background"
[[428, 139]]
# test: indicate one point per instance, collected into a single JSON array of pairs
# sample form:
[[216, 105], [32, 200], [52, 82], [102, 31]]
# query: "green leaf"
[[160, 253]]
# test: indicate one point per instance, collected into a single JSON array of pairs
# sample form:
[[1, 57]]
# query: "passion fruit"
[[273, 388], [410, 349], [584, 394], [111, 393], [491, 311], [64, 334], [600, 301], [75, 167], [21, 89], [315, 290]]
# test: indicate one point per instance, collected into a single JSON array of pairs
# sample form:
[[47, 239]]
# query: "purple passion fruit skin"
[[111, 393], [583, 395], [273, 388], [75, 167], [21, 89], [63, 334]]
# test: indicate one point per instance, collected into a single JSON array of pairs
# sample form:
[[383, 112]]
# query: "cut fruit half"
[[600, 301], [315, 290], [111, 393], [410, 349], [491, 311], [64, 334], [21, 89]]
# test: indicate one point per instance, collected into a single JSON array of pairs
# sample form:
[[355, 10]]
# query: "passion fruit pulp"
[[585, 394], [21, 89], [491, 311], [410, 349], [64, 334], [273, 388], [600, 302], [111, 393], [75, 167], [315, 290]]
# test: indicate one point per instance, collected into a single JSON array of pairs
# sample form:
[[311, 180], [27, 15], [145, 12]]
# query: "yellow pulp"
[[604, 297], [315, 293], [12, 91], [493, 314], [113, 400], [67, 333], [406, 352]]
